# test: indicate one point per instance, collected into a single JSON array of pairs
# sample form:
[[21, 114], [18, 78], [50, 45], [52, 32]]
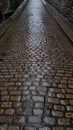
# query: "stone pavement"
[[36, 73]]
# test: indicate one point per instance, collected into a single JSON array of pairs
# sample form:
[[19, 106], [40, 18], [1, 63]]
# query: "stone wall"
[[64, 6]]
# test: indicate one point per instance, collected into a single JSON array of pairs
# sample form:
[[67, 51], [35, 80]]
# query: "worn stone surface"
[[36, 73]]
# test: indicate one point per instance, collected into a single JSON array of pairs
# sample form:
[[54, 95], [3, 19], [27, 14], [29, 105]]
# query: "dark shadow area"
[[8, 14]]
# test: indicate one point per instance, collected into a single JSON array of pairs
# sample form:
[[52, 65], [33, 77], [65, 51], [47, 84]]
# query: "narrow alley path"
[[36, 73]]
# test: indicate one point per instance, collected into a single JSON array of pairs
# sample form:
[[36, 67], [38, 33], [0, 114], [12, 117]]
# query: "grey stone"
[[38, 105], [38, 112], [34, 119], [38, 98], [49, 120]]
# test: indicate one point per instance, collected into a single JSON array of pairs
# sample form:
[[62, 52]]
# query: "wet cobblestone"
[[36, 73]]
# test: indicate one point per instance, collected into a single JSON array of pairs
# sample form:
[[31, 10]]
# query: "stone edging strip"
[[6, 24], [62, 24]]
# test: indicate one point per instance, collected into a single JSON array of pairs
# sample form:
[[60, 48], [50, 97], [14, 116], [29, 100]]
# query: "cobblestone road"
[[36, 73]]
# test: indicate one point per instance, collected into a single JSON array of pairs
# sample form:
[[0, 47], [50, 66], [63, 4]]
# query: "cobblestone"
[[16, 104], [6, 104], [49, 121], [5, 119], [28, 111], [57, 113], [19, 120], [36, 73], [38, 105], [13, 128], [9, 111], [59, 107], [34, 119], [15, 98], [69, 114], [38, 98], [63, 121], [64, 102], [38, 112], [53, 100], [69, 108]]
